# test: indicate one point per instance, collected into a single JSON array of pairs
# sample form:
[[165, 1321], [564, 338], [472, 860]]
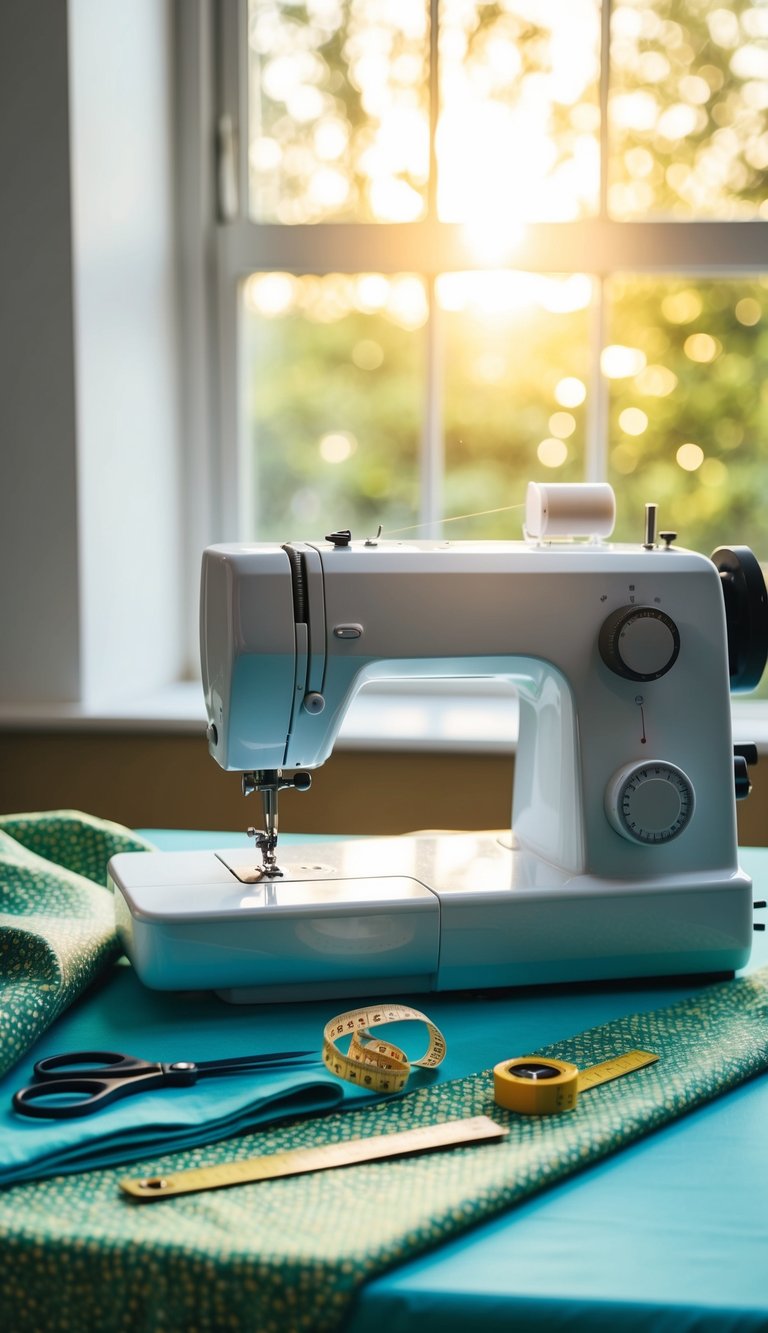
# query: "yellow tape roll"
[[533, 1086]]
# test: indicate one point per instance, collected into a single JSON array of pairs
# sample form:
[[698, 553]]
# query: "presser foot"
[[270, 782], [267, 845]]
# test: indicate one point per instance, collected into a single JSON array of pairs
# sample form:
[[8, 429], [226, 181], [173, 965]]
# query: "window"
[[467, 244]]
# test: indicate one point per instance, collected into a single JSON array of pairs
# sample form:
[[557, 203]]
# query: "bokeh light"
[[690, 457], [552, 453], [562, 425], [367, 354], [570, 392], [337, 446], [633, 421], [618, 362], [701, 347], [748, 311]]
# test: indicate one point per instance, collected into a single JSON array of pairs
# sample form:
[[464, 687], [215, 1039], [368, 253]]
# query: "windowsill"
[[455, 716]]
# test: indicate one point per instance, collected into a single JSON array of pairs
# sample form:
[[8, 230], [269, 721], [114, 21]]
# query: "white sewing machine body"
[[622, 860]]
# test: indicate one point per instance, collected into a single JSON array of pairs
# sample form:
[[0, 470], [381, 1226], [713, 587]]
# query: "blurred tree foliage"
[[360, 376], [501, 374], [688, 96], [718, 403], [337, 388], [364, 375]]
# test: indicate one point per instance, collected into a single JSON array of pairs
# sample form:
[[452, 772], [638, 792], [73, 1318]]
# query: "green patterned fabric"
[[288, 1255], [57, 923]]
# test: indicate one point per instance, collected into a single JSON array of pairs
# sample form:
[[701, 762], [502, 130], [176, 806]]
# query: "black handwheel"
[[746, 614]]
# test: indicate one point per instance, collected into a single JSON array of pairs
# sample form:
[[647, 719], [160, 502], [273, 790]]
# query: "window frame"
[[599, 246]]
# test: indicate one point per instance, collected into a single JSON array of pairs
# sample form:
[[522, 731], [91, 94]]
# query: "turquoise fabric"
[[126, 1017], [294, 1254], [57, 937], [291, 1254]]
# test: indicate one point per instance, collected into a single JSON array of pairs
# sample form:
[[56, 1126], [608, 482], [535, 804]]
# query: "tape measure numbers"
[[298, 1161], [539, 1086], [370, 1062]]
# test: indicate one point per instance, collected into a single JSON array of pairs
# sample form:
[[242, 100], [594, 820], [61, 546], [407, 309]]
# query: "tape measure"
[[370, 1062], [299, 1161], [536, 1086]]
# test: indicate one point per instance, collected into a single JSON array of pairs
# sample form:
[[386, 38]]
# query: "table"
[[672, 1233]]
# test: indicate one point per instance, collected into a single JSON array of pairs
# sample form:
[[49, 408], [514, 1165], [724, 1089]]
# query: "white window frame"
[[221, 245], [598, 246]]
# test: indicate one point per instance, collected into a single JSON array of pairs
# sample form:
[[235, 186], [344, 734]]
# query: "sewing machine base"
[[402, 915]]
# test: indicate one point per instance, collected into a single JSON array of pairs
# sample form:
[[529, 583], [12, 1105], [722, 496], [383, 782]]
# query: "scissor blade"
[[269, 1060]]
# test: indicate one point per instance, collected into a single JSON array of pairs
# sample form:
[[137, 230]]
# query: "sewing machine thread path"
[[622, 859]]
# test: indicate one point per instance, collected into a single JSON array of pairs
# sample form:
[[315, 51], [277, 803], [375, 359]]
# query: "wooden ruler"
[[298, 1161], [615, 1068]]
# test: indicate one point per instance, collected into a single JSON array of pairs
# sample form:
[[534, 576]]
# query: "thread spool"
[[562, 509]]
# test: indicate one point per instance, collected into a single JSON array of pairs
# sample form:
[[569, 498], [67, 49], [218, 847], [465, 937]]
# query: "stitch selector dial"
[[639, 642], [649, 803]]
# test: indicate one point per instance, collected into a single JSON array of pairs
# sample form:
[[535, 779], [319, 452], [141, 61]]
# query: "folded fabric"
[[57, 925], [289, 1255], [159, 1121], [123, 1016]]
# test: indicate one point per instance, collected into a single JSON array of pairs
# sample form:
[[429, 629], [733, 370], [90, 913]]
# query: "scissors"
[[79, 1083]]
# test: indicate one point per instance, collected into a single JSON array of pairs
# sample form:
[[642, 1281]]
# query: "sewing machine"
[[622, 858]]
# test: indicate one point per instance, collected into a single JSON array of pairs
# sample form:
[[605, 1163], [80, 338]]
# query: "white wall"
[[39, 596], [121, 100], [90, 546]]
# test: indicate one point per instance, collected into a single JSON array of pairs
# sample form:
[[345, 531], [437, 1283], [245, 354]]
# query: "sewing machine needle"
[[270, 813], [269, 795]]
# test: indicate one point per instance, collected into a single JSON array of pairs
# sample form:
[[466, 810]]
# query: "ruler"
[[609, 1069], [299, 1161]]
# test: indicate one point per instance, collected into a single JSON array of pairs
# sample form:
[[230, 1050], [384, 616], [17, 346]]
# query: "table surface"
[[670, 1234]]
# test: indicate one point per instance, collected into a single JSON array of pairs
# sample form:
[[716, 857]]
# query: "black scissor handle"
[[42, 1100], [79, 1082], [91, 1064]]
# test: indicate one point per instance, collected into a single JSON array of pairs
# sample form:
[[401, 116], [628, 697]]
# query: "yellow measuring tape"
[[539, 1086], [370, 1062], [298, 1161]]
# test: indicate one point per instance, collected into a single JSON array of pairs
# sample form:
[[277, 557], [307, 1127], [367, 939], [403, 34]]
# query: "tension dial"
[[639, 642], [649, 803]]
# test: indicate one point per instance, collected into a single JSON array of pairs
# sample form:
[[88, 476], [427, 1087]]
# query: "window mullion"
[[604, 89], [593, 245], [432, 448], [232, 107], [596, 445], [232, 133], [434, 105]]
